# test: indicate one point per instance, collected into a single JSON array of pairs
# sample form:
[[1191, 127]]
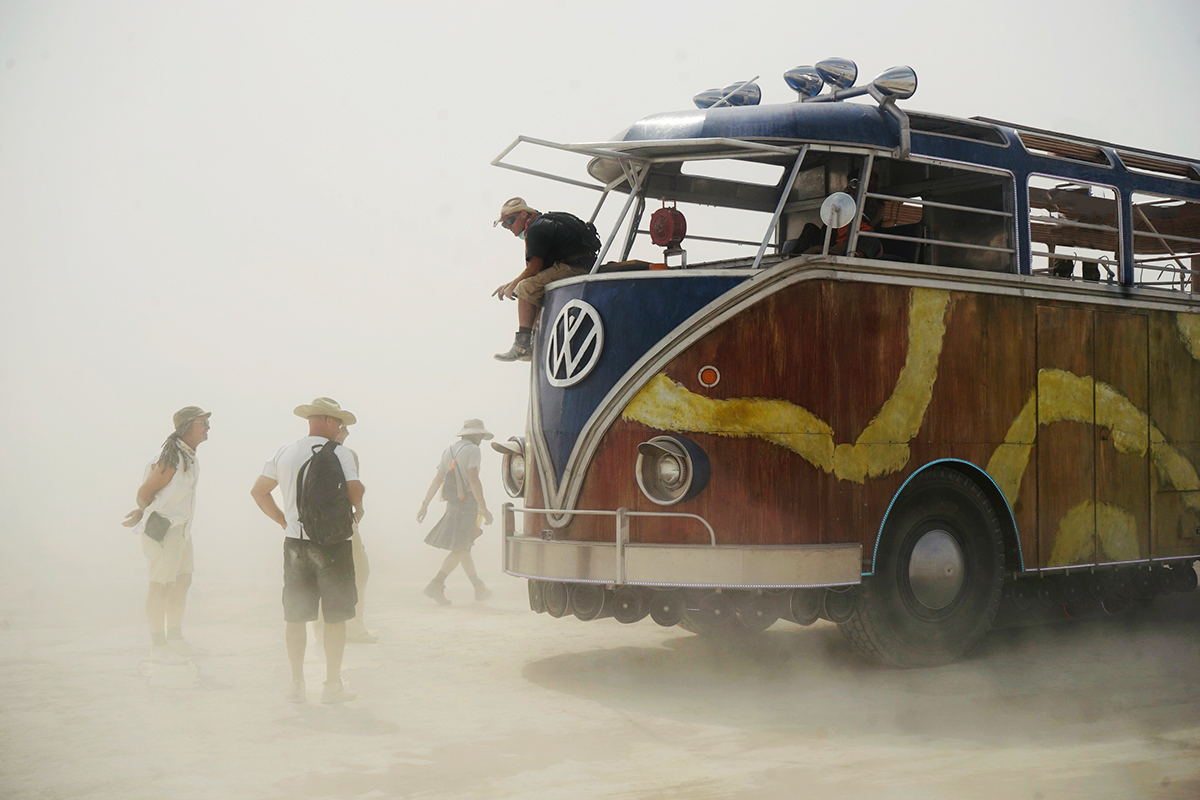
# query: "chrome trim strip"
[[723, 566]]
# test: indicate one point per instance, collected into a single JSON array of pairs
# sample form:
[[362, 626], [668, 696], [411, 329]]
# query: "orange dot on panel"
[[709, 376]]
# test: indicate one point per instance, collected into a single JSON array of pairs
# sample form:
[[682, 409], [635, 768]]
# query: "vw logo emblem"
[[575, 344]]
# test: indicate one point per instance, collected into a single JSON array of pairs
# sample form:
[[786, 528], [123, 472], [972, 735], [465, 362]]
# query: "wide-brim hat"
[[513, 205], [474, 427], [325, 407], [189, 414]]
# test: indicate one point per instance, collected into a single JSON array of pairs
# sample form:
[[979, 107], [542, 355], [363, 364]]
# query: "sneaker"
[[185, 648], [361, 637], [298, 693], [521, 350], [336, 693], [163, 654], [482, 593], [437, 591]]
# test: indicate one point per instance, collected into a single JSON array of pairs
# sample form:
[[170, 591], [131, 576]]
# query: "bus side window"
[[1073, 223], [1166, 244]]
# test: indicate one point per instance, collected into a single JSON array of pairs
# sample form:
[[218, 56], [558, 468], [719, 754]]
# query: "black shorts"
[[315, 573]]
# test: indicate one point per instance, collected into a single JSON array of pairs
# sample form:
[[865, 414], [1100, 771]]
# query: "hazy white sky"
[[246, 205]]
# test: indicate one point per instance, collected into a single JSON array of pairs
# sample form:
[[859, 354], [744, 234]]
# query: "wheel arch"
[[1008, 523]]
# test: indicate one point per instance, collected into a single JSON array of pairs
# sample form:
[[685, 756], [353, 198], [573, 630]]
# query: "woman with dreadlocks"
[[165, 501]]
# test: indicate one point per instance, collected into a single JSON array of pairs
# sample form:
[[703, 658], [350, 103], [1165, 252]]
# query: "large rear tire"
[[939, 572]]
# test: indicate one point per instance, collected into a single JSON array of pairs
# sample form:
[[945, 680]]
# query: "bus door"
[[1093, 466]]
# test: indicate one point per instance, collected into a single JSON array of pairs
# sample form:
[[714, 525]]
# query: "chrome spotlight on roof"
[[707, 98], [840, 73], [742, 94], [745, 93], [897, 82], [804, 81]]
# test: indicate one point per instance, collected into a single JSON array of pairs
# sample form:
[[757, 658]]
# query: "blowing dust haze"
[[278, 218]]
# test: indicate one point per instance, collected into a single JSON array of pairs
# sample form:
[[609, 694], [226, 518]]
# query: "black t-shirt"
[[552, 240]]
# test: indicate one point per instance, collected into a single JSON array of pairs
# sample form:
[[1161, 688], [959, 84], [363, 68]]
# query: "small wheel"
[[630, 604], [588, 601], [804, 605], [715, 613], [667, 608], [838, 604], [1019, 596], [1188, 580], [537, 603], [938, 575], [757, 612], [1145, 583], [555, 595]]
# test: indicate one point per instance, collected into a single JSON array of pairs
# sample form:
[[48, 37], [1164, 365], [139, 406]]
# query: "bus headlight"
[[512, 467], [671, 469]]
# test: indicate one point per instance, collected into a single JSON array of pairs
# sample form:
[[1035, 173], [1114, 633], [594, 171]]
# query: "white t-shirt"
[[177, 500], [284, 469]]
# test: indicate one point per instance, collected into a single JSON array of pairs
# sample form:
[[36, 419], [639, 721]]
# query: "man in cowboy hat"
[[314, 575], [458, 477], [558, 245], [168, 493]]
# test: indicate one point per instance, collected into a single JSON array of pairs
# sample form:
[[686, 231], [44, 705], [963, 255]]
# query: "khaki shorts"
[[531, 289], [169, 558]]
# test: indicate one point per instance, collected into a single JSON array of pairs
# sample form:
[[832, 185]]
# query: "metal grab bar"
[[622, 533]]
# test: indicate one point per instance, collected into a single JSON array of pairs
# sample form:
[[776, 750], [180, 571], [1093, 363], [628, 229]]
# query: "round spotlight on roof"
[[840, 73], [739, 95], [707, 98], [897, 82], [804, 81]]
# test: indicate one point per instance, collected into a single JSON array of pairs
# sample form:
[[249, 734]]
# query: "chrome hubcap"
[[935, 570]]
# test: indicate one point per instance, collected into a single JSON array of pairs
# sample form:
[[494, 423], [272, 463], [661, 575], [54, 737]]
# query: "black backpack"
[[589, 237], [325, 512]]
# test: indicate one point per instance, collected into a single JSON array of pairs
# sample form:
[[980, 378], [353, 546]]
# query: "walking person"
[[458, 478], [166, 502], [315, 576]]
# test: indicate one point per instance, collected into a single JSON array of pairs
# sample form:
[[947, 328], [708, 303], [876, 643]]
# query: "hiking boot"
[[363, 636], [521, 350], [163, 654], [185, 648], [297, 693], [336, 692], [437, 591], [482, 592]]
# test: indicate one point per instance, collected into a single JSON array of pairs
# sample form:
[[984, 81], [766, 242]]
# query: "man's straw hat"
[[474, 427], [325, 407], [189, 414], [511, 206]]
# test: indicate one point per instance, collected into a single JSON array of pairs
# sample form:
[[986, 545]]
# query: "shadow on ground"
[[1089, 680]]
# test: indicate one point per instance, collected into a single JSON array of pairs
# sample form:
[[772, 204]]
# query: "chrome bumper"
[[714, 565]]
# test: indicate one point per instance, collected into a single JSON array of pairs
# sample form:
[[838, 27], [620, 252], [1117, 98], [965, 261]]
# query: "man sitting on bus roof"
[[558, 245]]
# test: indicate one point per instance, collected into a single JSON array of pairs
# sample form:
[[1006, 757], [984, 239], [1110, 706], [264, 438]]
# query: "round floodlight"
[[512, 466], [748, 95], [840, 73], [838, 210], [670, 470], [897, 82], [805, 81]]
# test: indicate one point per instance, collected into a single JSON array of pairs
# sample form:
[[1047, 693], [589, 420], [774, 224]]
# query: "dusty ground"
[[492, 701]]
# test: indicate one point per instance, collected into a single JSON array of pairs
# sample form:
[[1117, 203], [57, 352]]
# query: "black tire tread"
[[873, 640]]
